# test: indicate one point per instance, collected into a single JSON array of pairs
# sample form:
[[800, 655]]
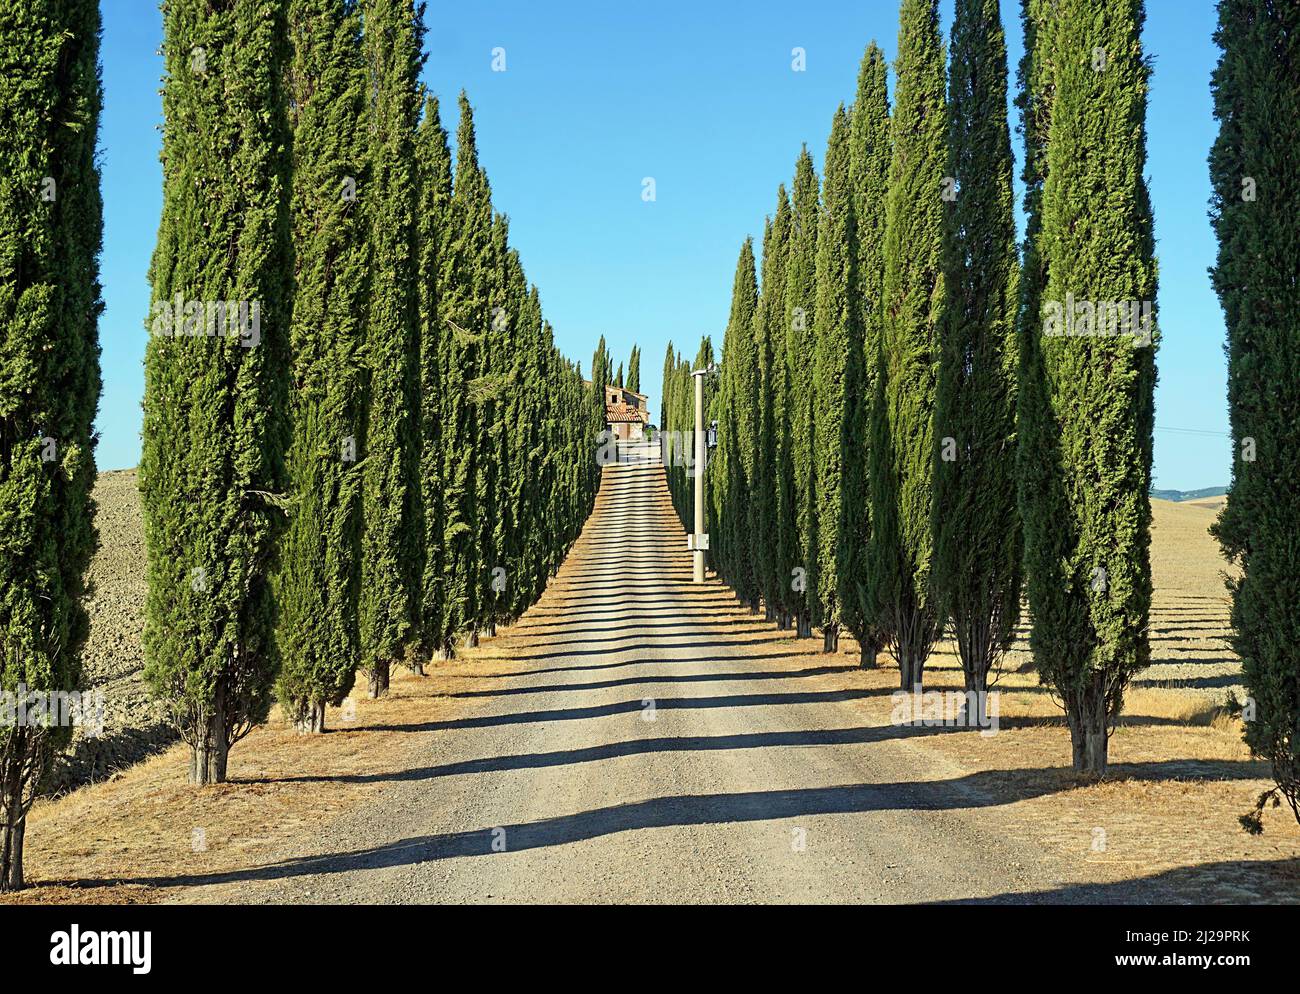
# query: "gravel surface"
[[645, 741]]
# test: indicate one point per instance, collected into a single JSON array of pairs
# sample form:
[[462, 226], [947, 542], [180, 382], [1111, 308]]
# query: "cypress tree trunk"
[[915, 301], [1086, 406], [50, 237], [212, 468], [392, 555], [977, 557], [1256, 215]]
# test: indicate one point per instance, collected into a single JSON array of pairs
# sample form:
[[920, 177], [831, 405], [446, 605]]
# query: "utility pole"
[[699, 542]]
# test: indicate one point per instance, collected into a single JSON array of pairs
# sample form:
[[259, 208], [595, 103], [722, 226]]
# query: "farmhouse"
[[626, 413]]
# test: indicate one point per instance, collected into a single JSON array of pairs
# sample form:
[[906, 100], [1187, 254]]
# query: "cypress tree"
[[433, 160], [780, 534], [1256, 214], [800, 303], [836, 375], [634, 371], [530, 484], [914, 300], [392, 558], [977, 546], [50, 235], [762, 503], [212, 470], [869, 159], [487, 394], [602, 374], [1087, 420], [463, 307], [317, 584], [731, 476]]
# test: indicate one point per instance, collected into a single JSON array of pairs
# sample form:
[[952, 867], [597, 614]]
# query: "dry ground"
[[1161, 827]]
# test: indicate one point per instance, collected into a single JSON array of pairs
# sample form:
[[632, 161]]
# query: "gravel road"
[[642, 740]]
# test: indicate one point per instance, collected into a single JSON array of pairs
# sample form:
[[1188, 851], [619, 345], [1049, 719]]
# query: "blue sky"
[[596, 96]]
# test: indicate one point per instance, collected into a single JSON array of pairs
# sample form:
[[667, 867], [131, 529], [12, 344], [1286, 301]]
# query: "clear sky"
[[598, 95]]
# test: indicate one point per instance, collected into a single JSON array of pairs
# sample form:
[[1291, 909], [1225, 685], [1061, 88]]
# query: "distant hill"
[[1181, 495]]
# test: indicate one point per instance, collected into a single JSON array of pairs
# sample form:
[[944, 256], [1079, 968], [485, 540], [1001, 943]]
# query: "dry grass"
[[120, 840]]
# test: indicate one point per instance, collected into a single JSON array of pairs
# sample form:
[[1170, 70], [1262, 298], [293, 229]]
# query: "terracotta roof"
[[624, 414]]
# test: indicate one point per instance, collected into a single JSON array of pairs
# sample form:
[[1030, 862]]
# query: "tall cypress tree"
[[782, 536], [317, 584], [1087, 419], [767, 327], [392, 556], [800, 304], [50, 234], [487, 393], [869, 159], [433, 159], [1256, 214], [837, 355], [914, 299], [731, 478], [977, 557], [602, 375], [464, 310], [665, 401], [634, 370], [216, 374]]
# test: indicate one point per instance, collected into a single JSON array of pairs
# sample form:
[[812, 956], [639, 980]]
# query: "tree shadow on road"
[[974, 791], [1226, 882]]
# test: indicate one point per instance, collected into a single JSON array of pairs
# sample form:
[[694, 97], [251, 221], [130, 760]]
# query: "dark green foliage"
[[215, 406], [837, 374], [602, 375], [800, 306], [914, 299], [1086, 404], [464, 310], [680, 456], [433, 161], [634, 370], [730, 473], [317, 584], [50, 234], [392, 559], [869, 159], [1256, 214], [670, 365], [977, 546], [510, 429], [771, 498]]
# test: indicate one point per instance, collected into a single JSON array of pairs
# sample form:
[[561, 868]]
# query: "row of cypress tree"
[[386, 455], [903, 448]]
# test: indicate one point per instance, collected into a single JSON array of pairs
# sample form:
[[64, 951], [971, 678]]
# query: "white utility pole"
[[699, 542]]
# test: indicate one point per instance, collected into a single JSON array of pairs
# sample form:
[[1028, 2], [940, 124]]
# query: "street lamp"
[[699, 541]]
